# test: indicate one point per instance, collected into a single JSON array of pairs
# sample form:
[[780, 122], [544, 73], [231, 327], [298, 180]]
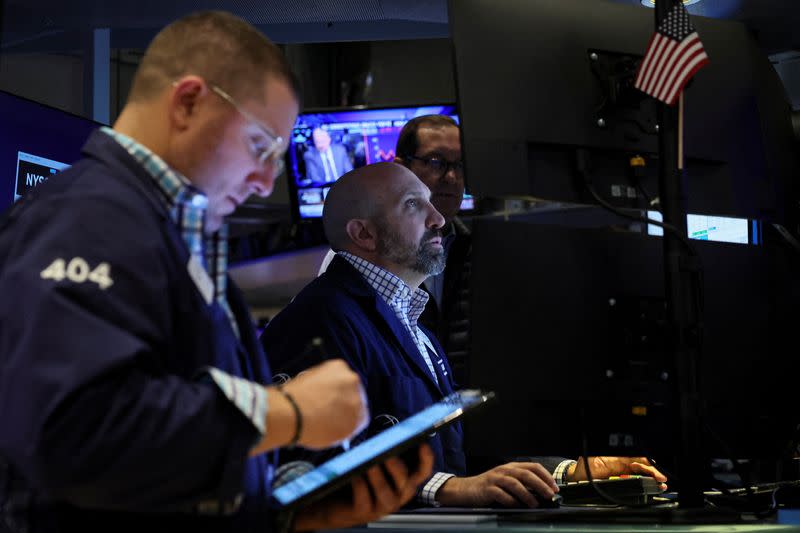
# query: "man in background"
[[387, 235], [430, 146]]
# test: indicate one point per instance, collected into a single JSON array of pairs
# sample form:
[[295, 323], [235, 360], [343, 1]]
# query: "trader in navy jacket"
[[365, 306], [132, 392]]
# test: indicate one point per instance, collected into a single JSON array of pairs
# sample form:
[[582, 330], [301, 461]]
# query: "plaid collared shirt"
[[408, 306], [187, 207], [406, 303]]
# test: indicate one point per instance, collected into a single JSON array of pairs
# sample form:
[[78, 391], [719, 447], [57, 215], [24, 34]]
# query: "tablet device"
[[415, 429]]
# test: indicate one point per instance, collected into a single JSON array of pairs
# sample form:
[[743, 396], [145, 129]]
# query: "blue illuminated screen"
[[354, 138], [36, 143], [424, 421]]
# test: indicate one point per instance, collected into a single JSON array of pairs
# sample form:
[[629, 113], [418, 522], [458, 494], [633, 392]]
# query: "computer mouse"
[[548, 503]]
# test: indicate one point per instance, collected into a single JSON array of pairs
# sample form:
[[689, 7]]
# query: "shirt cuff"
[[249, 397], [560, 473], [427, 495], [291, 471]]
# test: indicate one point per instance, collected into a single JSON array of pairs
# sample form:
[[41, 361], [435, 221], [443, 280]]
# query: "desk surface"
[[560, 521]]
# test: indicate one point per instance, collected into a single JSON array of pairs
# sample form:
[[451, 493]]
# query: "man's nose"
[[435, 219], [262, 182], [450, 175]]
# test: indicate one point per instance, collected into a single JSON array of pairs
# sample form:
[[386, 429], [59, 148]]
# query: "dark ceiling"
[[775, 22]]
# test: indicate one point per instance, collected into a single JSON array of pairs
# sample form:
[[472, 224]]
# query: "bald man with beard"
[[387, 236]]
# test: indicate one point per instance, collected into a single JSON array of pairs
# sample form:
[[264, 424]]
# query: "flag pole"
[[681, 294], [680, 131]]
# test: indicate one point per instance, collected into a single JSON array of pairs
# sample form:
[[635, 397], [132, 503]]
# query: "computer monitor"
[[356, 137], [713, 228], [569, 329], [540, 83], [36, 142], [539, 79]]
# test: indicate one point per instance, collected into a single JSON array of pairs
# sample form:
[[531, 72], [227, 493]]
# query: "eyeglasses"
[[439, 166], [275, 145]]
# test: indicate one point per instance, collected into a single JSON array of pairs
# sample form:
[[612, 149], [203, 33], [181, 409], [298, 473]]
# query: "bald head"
[[383, 214], [359, 194]]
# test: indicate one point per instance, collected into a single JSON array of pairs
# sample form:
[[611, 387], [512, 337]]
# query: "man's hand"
[[332, 405], [604, 467], [332, 402], [373, 495], [509, 485]]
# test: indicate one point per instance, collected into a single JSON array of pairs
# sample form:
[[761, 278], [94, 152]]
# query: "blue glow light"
[[652, 3]]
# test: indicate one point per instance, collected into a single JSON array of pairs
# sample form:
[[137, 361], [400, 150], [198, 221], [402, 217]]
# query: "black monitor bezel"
[[291, 181]]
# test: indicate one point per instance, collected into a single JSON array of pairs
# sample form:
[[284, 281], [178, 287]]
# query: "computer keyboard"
[[631, 490]]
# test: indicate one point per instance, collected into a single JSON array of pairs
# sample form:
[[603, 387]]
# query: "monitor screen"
[[36, 142], [393, 440], [348, 139], [713, 228]]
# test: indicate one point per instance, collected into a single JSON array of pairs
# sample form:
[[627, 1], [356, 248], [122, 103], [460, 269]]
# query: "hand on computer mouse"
[[508, 485]]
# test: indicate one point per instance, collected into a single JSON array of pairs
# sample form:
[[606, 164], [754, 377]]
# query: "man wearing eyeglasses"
[[430, 146], [132, 392]]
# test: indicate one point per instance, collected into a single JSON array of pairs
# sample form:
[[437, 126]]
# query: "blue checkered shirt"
[[408, 305], [187, 207]]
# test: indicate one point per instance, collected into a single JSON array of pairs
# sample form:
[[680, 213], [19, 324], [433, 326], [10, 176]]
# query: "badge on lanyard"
[[201, 279], [429, 345]]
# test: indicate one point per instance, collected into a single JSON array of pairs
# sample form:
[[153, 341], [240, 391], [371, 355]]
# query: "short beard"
[[423, 258]]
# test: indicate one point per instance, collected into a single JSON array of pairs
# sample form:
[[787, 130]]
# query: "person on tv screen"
[[134, 394], [325, 161], [387, 235]]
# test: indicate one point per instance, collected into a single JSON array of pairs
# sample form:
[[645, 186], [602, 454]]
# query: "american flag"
[[673, 56]]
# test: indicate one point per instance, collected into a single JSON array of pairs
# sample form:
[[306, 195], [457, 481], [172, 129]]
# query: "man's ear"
[[362, 234], [184, 98]]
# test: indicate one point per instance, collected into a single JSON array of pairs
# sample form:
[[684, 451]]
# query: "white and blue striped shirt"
[[187, 207]]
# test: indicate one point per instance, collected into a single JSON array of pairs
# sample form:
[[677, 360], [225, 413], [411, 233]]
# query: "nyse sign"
[[33, 170], [32, 180]]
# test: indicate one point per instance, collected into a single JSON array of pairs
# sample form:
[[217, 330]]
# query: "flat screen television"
[[36, 142], [357, 137]]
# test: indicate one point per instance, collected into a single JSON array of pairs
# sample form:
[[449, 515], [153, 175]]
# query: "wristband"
[[298, 417]]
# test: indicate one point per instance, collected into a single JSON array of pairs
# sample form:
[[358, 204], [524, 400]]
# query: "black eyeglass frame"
[[457, 166]]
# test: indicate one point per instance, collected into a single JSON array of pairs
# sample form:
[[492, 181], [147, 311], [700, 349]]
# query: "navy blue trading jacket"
[[102, 423], [355, 324]]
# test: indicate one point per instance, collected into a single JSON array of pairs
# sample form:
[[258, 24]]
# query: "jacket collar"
[[344, 275], [100, 146]]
